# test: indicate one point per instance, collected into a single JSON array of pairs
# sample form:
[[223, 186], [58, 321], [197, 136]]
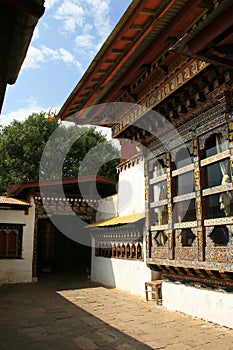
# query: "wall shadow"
[[35, 316]]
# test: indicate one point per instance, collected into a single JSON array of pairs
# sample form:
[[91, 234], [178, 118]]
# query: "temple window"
[[139, 251], [109, 252], [158, 190], [106, 251], [123, 251], [10, 241], [114, 251], [215, 144], [216, 177], [160, 238], [216, 171], [118, 251], [187, 237], [158, 166], [133, 251], [220, 235], [184, 206], [159, 215], [185, 211], [128, 251], [184, 183], [182, 158]]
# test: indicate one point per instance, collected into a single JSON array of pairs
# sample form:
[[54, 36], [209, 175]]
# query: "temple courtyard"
[[66, 312]]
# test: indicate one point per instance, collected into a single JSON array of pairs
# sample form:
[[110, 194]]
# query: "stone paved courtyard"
[[67, 312]]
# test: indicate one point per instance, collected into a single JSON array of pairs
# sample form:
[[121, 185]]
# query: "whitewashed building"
[[16, 240], [118, 256]]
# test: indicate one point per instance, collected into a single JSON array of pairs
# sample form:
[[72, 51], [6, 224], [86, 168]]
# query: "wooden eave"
[[105, 186], [18, 19], [157, 27]]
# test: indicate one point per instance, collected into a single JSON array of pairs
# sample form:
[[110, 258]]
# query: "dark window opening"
[[220, 235], [161, 238], [123, 251], [159, 215], [210, 146], [157, 166], [160, 191], [184, 183], [183, 158], [212, 207], [109, 252], [128, 251], [213, 175], [11, 241], [133, 251], [185, 211], [139, 251], [187, 237], [118, 251], [114, 252], [215, 144]]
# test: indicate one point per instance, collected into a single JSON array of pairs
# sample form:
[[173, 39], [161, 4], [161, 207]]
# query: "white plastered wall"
[[126, 274], [19, 270], [131, 191], [107, 208], [210, 305]]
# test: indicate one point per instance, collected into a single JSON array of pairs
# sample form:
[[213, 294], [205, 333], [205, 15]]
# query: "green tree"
[[23, 143]]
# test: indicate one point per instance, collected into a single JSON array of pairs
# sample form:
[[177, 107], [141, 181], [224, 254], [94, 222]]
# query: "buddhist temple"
[[169, 63]]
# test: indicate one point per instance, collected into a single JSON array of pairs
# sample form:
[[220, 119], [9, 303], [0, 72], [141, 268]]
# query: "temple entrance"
[[57, 253]]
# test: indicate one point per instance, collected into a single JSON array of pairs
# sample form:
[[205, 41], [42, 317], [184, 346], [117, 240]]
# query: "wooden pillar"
[[147, 210], [199, 209], [34, 258], [230, 138], [171, 238]]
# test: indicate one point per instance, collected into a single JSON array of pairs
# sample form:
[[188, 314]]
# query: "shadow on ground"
[[35, 316]]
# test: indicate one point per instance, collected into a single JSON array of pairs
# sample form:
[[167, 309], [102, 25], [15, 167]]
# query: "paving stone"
[[59, 313], [86, 343]]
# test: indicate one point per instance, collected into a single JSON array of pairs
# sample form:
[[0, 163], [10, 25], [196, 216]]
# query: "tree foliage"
[[22, 145]]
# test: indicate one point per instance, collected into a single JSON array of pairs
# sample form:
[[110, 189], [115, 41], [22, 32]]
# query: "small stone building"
[[16, 240]]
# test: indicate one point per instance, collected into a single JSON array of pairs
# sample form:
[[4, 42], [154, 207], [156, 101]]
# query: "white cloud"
[[49, 54], [49, 3], [87, 28], [86, 46], [99, 10], [66, 56], [72, 14], [87, 16], [80, 67], [85, 41], [39, 57], [34, 58]]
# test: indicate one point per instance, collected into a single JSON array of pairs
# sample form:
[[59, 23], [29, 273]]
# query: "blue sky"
[[64, 43]]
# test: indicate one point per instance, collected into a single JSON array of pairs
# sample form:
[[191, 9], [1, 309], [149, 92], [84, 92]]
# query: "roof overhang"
[[104, 186], [12, 203], [215, 43], [120, 220], [18, 19], [148, 31]]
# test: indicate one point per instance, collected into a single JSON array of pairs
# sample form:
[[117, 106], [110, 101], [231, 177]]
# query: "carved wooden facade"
[[189, 180], [177, 62], [120, 241]]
